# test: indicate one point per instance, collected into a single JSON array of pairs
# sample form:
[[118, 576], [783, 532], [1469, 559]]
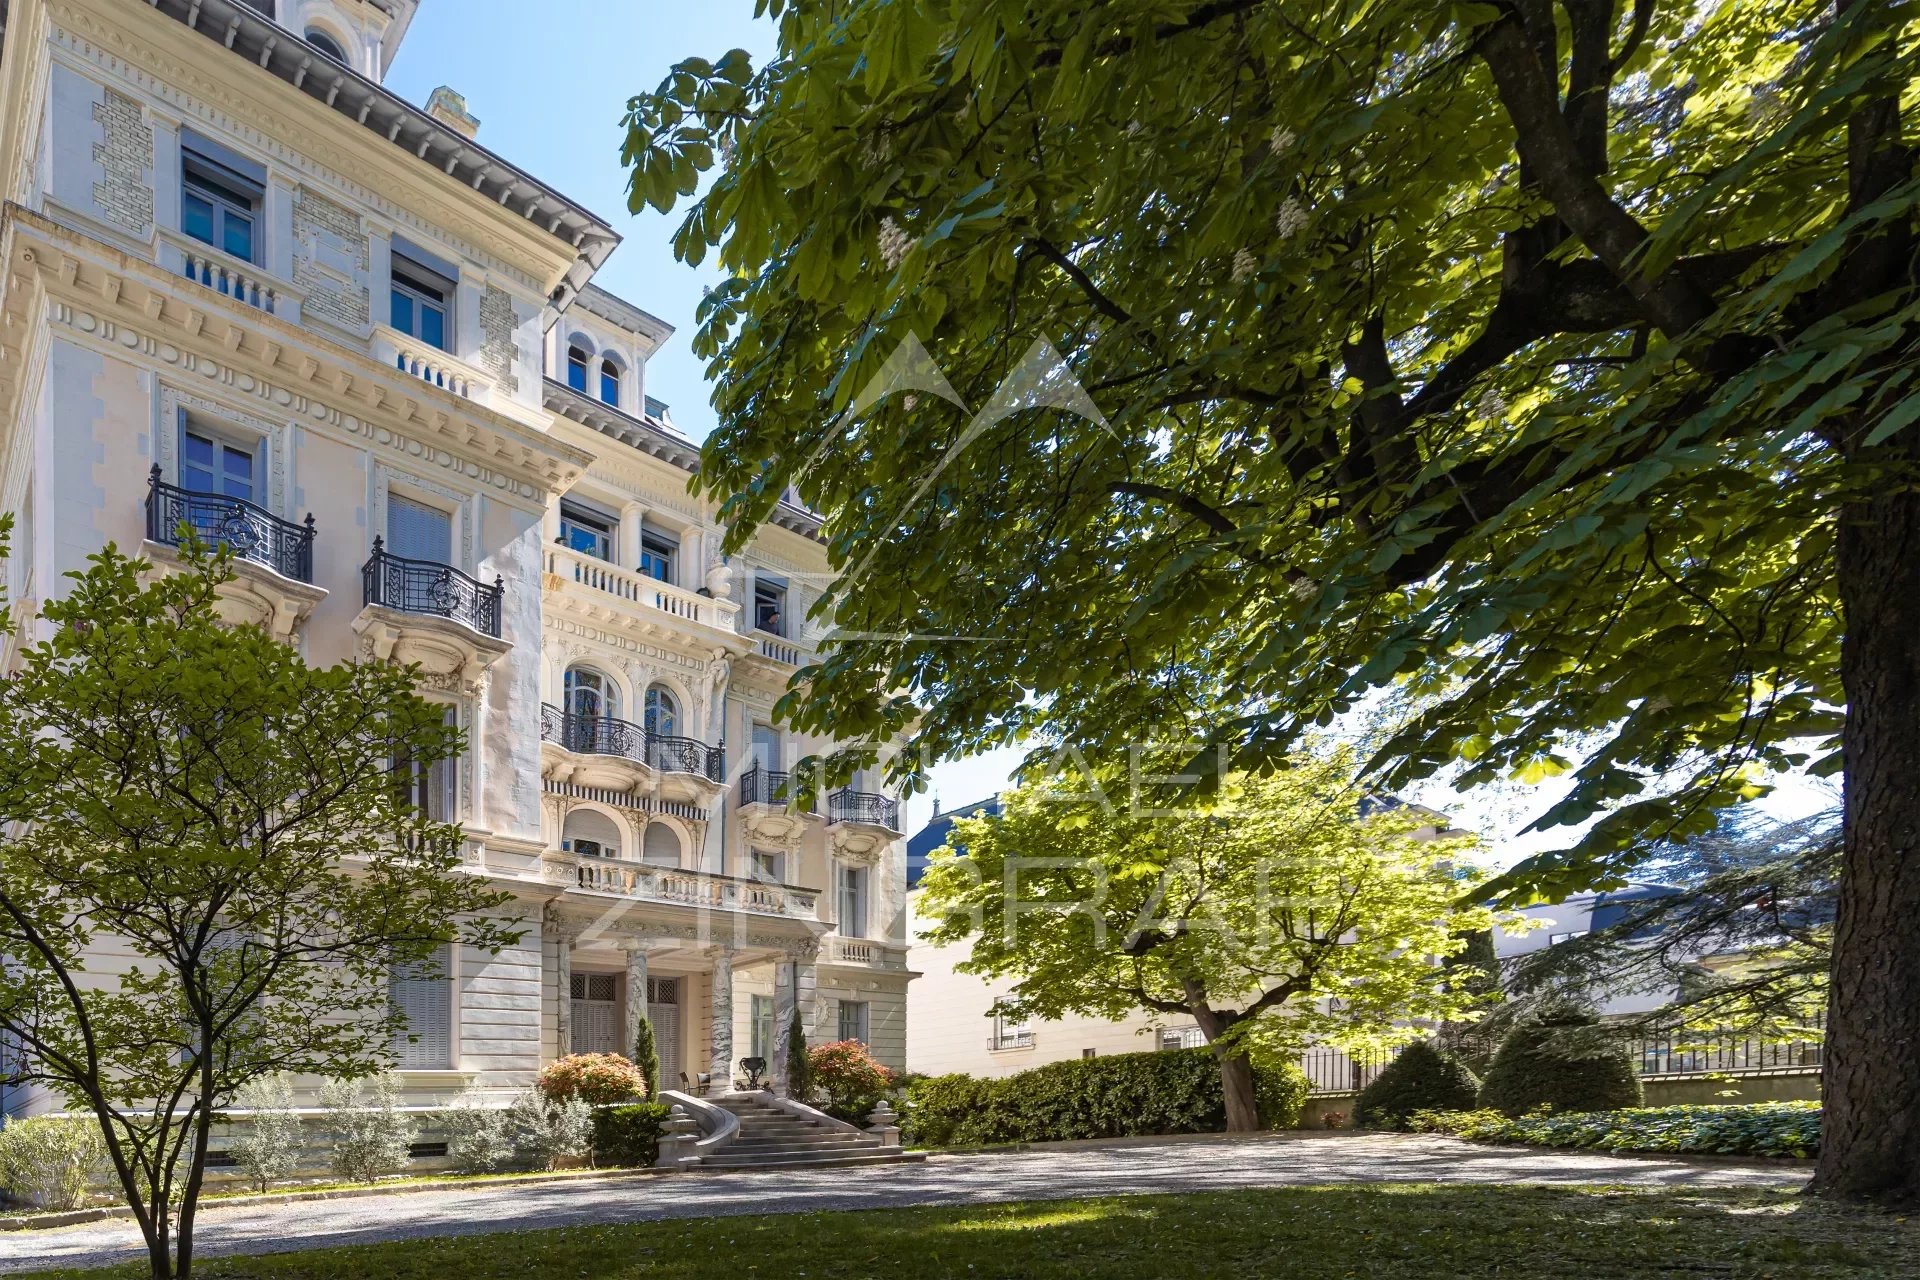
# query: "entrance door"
[[663, 1010], [596, 1013]]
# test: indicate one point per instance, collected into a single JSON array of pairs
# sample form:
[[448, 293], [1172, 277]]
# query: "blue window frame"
[[577, 361], [421, 298], [610, 383], [218, 207]]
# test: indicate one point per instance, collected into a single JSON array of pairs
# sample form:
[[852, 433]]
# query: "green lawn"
[[1382, 1231]]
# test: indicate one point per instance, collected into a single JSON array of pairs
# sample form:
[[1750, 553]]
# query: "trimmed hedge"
[[1560, 1060], [1755, 1129], [1126, 1095], [628, 1136], [1421, 1079]]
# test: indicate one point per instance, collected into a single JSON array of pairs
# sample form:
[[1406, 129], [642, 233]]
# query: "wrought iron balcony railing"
[[608, 736], [251, 533], [437, 590], [760, 785], [866, 807]]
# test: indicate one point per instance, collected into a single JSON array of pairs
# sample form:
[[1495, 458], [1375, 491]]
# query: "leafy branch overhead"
[[1498, 344]]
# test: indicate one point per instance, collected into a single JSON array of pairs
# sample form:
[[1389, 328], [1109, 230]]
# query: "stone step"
[[879, 1155], [737, 1152]]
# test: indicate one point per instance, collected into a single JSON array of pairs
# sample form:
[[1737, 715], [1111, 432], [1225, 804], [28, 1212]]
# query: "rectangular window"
[[768, 866], [423, 293], [769, 604], [210, 463], [853, 1020], [610, 384], [419, 531], [766, 747], [220, 197], [587, 532], [658, 549], [1555, 939], [853, 902], [1182, 1038], [432, 789], [423, 995], [1086, 1053], [1012, 1033], [762, 1035]]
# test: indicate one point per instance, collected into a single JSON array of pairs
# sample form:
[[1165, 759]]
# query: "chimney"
[[450, 109]]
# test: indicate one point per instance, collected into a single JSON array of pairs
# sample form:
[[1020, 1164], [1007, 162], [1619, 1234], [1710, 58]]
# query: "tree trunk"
[[1870, 1146], [1236, 1083]]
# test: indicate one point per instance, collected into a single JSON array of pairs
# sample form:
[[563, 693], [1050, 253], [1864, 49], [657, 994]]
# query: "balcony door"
[[596, 1013], [418, 531], [663, 1011], [216, 465]]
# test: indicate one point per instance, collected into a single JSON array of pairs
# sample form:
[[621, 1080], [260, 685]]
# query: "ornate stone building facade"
[[246, 286]]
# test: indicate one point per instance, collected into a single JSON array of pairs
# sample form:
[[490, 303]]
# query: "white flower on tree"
[[1491, 405], [894, 243], [1244, 265], [1281, 140], [1290, 218]]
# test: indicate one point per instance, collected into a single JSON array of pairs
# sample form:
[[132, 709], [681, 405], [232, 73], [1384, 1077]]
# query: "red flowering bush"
[[847, 1073], [597, 1078]]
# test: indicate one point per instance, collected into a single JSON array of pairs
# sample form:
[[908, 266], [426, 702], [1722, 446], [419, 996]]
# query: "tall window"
[[577, 362], [422, 297], [590, 694], [214, 464], [587, 532], [853, 902], [762, 1035], [770, 604], [658, 548], [418, 530], [219, 204], [1012, 1033], [660, 845], [433, 789], [610, 383], [423, 995], [766, 747], [662, 713], [853, 1020]]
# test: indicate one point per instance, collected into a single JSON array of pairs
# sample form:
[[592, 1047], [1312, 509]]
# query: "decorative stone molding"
[[332, 260], [125, 156], [277, 436]]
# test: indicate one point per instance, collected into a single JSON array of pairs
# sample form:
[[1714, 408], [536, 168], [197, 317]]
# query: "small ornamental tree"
[[369, 1133], [646, 1057], [270, 1147], [1246, 916], [1422, 1078], [799, 1065], [194, 797], [598, 1079], [852, 1079], [1564, 1059]]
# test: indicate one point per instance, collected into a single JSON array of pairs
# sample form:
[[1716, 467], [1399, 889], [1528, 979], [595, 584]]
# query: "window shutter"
[[418, 531], [424, 996]]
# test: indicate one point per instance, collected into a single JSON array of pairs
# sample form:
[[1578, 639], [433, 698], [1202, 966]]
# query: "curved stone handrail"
[[718, 1126]]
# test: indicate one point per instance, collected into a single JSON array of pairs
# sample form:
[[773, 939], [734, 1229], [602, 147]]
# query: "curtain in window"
[[418, 531]]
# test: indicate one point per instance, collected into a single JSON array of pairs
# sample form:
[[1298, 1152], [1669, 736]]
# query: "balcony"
[[864, 953], [674, 886], [624, 756], [432, 614], [430, 365], [244, 282], [272, 584], [767, 808], [776, 648], [609, 592], [861, 824]]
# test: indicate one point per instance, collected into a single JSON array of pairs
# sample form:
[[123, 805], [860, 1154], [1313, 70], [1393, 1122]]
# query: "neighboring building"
[[1575, 917], [248, 287]]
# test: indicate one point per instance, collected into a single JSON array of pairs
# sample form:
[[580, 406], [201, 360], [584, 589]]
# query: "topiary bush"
[[1756, 1129], [1560, 1059], [629, 1136], [1422, 1078], [1125, 1095], [597, 1079]]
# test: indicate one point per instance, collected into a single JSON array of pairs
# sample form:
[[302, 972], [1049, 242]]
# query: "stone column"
[[562, 937], [721, 1062], [637, 993], [627, 550], [783, 1006]]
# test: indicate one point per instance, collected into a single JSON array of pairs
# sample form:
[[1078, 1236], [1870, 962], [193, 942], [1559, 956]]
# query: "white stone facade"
[[222, 239]]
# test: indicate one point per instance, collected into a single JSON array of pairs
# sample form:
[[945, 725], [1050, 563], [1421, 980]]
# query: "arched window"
[[590, 832], [610, 383], [326, 44], [591, 694], [577, 362], [661, 846], [663, 713]]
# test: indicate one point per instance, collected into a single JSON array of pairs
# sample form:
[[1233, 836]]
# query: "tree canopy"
[[213, 862], [1186, 369], [1279, 916]]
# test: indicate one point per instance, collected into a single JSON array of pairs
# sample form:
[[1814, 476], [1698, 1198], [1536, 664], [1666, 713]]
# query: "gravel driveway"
[[1055, 1173]]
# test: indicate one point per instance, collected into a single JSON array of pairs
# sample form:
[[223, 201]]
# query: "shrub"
[[850, 1077], [1125, 1095], [799, 1065], [1422, 1078], [546, 1131], [270, 1146], [629, 1136], [597, 1079], [646, 1058], [1561, 1059], [47, 1161], [1755, 1129], [479, 1137], [370, 1136]]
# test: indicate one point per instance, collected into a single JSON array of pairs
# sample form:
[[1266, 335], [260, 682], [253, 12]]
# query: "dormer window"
[[219, 200], [770, 605], [610, 383], [577, 362], [422, 299], [326, 44]]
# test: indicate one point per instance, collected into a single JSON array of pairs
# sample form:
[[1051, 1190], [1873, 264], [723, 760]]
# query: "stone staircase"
[[774, 1139]]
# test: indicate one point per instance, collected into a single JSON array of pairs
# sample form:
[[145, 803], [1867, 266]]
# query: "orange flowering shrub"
[[597, 1078], [850, 1077]]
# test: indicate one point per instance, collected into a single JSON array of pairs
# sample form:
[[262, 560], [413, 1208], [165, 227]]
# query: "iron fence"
[[609, 736], [251, 533], [870, 808], [439, 590], [765, 786]]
